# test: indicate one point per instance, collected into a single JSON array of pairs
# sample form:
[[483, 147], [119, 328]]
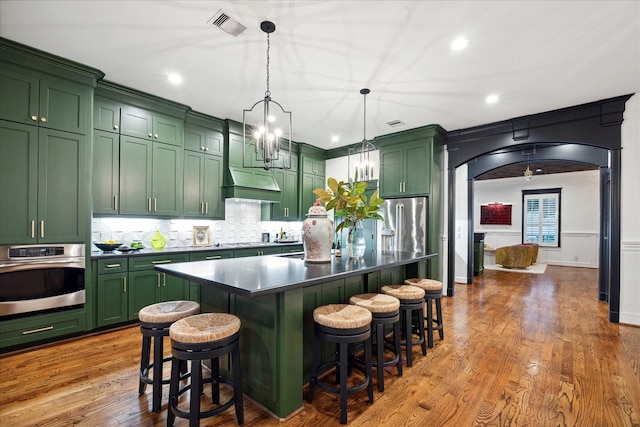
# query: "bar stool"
[[204, 337], [155, 321], [411, 302], [342, 324], [432, 292], [385, 310]]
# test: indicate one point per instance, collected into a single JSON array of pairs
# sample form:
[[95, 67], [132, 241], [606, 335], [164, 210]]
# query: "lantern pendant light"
[[364, 167]]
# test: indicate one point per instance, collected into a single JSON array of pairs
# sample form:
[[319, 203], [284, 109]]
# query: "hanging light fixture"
[[528, 173], [364, 167], [266, 127]]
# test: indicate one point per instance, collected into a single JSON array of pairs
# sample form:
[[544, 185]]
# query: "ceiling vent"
[[395, 123], [227, 24]]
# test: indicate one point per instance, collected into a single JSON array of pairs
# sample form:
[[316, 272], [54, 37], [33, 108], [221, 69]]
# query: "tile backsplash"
[[242, 224]]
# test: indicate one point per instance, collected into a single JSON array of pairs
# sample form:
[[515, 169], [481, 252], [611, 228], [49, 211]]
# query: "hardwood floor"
[[519, 350]]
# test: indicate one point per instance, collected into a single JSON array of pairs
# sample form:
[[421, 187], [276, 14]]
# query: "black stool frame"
[[429, 297], [196, 353], [408, 308], [379, 320], [342, 337]]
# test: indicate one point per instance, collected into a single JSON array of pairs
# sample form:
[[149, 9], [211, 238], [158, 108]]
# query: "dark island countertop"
[[258, 276]]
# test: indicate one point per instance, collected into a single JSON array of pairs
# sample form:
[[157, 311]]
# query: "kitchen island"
[[274, 297]]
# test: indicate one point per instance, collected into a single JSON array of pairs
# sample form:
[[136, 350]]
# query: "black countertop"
[[97, 254], [258, 276]]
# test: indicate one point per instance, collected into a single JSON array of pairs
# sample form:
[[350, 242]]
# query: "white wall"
[[580, 212], [461, 226], [630, 215]]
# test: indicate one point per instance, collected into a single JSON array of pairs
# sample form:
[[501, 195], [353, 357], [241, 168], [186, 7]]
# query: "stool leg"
[[174, 385], [215, 381], [237, 384], [398, 345], [439, 314], [158, 355], [196, 386], [314, 367], [369, 369], [408, 338], [421, 331], [429, 303], [344, 357], [380, 355], [144, 362]]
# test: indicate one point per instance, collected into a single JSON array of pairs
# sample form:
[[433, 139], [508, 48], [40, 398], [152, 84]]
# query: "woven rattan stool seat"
[[426, 284], [342, 316], [403, 292], [204, 328], [170, 311], [376, 303]]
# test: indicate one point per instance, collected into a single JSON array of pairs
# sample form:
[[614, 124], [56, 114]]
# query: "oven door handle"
[[34, 265]]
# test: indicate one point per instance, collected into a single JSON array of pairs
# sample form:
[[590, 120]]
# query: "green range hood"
[[251, 184]]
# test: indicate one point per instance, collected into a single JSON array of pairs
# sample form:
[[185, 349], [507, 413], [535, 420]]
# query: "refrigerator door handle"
[[400, 226]]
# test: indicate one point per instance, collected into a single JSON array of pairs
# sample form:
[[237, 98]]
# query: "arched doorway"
[[590, 131]]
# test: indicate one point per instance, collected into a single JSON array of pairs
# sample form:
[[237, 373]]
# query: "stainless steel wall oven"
[[36, 278]]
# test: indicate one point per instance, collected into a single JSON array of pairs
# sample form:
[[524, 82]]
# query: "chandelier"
[[364, 168], [528, 173], [266, 127]]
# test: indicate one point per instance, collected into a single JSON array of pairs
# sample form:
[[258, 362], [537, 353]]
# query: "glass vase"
[[356, 244]]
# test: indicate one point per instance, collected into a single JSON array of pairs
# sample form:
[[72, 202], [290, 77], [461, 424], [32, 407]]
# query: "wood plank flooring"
[[519, 350]]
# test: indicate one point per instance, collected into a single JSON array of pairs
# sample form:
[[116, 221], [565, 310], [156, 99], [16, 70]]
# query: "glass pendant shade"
[[364, 167]]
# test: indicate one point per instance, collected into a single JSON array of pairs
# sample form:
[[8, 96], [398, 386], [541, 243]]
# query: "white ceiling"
[[536, 55]]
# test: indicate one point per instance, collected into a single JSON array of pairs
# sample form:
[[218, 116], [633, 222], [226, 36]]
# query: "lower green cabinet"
[[268, 250], [44, 327]]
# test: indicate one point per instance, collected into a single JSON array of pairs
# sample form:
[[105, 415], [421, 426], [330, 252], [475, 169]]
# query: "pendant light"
[[528, 173], [266, 127], [364, 168]]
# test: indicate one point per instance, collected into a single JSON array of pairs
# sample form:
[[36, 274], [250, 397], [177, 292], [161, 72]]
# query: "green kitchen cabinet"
[[405, 169], [210, 255], [203, 196], [111, 291], [106, 172], [287, 208], [204, 139], [46, 199], [312, 176], [42, 100], [149, 125], [106, 115], [195, 291], [150, 178], [268, 250]]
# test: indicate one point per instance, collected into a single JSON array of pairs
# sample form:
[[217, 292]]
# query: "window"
[[541, 217]]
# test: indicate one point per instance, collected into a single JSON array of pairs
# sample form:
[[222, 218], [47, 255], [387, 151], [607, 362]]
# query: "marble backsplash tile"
[[242, 224]]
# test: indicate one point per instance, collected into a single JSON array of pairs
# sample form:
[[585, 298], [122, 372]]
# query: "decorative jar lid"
[[317, 209]]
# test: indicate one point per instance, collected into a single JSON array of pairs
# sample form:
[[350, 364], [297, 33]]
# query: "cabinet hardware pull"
[[155, 204], [164, 280], [213, 257], [115, 127], [149, 204], [43, 119], [124, 285], [113, 265], [42, 228], [206, 207], [158, 279], [33, 331], [115, 202], [150, 135], [155, 136], [164, 261], [33, 229], [34, 118], [203, 149]]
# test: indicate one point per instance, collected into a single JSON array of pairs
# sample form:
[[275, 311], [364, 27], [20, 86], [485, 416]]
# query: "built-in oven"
[[37, 278]]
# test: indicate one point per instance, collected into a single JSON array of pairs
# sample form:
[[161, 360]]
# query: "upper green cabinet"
[[45, 200], [312, 176], [106, 115], [150, 125], [106, 172], [405, 164], [203, 139], [41, 100]]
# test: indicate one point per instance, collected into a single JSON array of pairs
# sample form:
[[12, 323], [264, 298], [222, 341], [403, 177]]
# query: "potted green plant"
[[350, 202]]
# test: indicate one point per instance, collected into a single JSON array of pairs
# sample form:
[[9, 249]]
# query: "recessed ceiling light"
[[460, 43], [174, 78], [491, 99], [335, 138]]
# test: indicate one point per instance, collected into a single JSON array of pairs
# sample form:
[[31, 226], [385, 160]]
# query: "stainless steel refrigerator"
[[405, 224]]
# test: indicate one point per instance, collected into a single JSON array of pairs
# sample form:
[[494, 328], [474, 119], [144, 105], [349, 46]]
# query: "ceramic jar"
[[317, 234], [158, 240]]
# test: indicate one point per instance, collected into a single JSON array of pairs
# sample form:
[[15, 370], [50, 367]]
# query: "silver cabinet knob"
[[43, 119], [115, 127], [34, 118]]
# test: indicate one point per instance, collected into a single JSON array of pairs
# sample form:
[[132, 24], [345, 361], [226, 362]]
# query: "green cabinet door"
[[309, 183], [405, 169], [201, 139], [287, 208], [145, 124], [166, 181], [391, 173], [212, 191], [19, 183], [106, 115], [32, 98], [135, 176], [63, 208], [144, 289], [202, 186], [173, 288], [111, 298], [106, 172]]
